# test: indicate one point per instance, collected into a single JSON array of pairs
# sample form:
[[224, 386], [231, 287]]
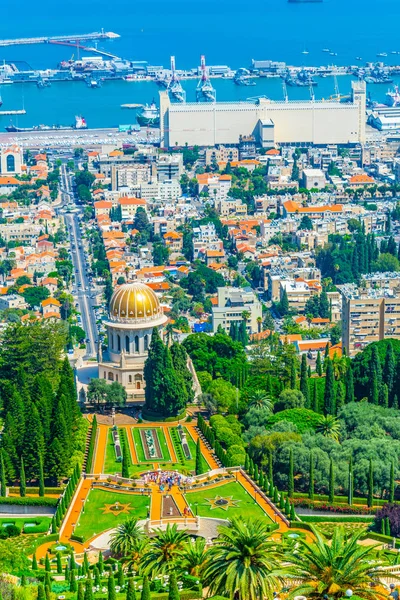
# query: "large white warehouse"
[[315, 122]]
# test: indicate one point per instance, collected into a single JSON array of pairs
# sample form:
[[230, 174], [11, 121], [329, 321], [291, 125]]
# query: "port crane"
[[205, 91], [175, 87]]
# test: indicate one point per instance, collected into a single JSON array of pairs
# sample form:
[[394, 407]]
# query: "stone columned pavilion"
[[134, 311]]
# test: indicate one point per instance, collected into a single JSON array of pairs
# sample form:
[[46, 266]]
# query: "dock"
[[97, 35], [4, 113]]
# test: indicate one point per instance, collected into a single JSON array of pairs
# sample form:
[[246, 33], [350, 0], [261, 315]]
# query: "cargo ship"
[[80, 123]]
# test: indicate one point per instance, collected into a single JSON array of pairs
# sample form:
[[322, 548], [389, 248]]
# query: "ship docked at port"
[[80, 123]]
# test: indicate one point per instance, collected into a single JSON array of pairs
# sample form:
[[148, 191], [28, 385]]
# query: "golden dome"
[[134, 301]]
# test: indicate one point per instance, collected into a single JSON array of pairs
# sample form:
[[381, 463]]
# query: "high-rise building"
[[368, 315]]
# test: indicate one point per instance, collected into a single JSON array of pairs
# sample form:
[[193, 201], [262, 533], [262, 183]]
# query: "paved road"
[[83, 287]]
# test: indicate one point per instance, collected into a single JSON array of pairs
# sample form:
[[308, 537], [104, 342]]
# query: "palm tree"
[[134, 558], [260, 399], [259, 322], [195, 556], [165, 551], [243, 562], [330, 568], [329, 427], [126, 536]]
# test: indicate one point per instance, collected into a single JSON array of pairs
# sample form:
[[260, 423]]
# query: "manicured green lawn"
[[245, 505], [140, 450], [93, 521], [111, 465], [192, 448]]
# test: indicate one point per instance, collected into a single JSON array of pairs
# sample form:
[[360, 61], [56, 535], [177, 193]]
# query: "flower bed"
[[344, 509]]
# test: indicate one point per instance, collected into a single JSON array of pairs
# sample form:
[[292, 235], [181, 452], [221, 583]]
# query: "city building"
[[232, 303], [134, 311], [270, 123], [221, 154], [313, 179], [368, 315], [11, 160]]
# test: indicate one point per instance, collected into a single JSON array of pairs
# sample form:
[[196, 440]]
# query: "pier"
[[4, 113], [97, 35]]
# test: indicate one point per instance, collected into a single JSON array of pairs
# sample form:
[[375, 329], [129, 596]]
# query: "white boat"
[[325, 50], [382, 54], [393, 97]]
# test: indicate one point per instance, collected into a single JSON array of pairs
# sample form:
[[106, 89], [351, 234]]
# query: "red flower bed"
[[344, 509]]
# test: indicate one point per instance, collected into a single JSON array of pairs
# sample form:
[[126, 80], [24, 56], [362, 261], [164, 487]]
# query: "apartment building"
[[232, 303], [368, 315], [222, 154]]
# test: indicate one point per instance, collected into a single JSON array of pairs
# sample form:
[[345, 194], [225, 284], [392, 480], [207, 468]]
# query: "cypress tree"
[[392, 483], [370, 497], [349, 383], [270, 467], [34, 563], [23, 580], [324, 305], [284, 304], [120, 577], [311, 477], [96, 576], [293, 375], [88, 591], [53, 525], [304, 381], [145, 595], [275, 497], [383, 527], [59, 563], [314, 398], [350, 483], [291, 475], [292, 513], [47, 580], [72, 563], [40, 592], [281, 502], [199, 460], [66, 572], [100, 563], [331, 483], [41, 477], [374, 397], [375, 365], [246, 462], [384, 395], [387, 532], [111, 595], [256, 475], [173, 593], [72, 582], [47, 565], [22, 480], [130, 592], [287, 506], [340, 396], [329, 393], [85, 564], [3, 486], [80, 595], [318, 364], [389, 369], [47, 591]]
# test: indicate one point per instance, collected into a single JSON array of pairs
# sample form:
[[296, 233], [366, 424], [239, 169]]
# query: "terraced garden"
[[142, 451]]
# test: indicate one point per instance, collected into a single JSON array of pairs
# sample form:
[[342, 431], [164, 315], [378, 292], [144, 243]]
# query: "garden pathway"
[[100, 449], [204, 450]]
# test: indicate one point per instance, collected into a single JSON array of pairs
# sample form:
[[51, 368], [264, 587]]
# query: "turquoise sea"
[[227, 32]]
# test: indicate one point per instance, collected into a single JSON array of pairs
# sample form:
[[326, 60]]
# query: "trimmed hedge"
[[92, 443], [77, 538], [345, 509], [27, 501], [339, 499], [319, 519], [35, 490], [385, 539], [149, 415]]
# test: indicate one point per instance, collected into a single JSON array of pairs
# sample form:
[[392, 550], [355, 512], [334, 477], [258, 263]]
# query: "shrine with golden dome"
[[134, 311]]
